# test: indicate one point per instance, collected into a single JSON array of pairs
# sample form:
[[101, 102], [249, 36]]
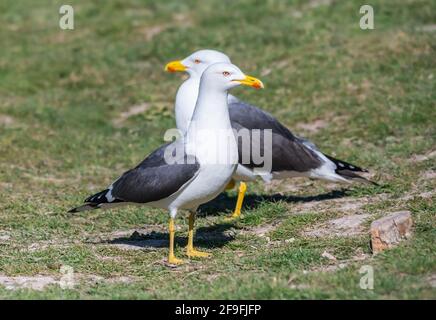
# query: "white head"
[[197, 63], [187, 94], [223, 76]]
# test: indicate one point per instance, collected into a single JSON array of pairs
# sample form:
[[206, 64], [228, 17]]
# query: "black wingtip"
[[343, 165]]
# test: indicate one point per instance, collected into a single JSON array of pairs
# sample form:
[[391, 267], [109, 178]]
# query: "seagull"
[[292, 156], [183, 174]]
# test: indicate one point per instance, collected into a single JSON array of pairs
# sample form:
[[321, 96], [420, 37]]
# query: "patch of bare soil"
[[132, 111], [48, 179], [178, 20], [4, 236], [288, 185], [312, 4], [347, 226], [417, 194], [314, 126], [346, 204], [423, 157], [328, 255], [152, 31], [277, 66], [336, 264], [427, 28], [261, 231], [431, 280], [428, 175], [43, 245], [40, 282], [6, 121]]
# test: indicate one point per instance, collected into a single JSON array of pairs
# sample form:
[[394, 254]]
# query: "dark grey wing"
[[154, 179], [289, 152], [252, 117]]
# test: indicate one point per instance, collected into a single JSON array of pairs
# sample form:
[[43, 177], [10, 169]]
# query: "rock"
[[390, 230]]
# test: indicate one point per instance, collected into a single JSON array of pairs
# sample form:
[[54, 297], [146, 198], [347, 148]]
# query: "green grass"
[[61, 90]]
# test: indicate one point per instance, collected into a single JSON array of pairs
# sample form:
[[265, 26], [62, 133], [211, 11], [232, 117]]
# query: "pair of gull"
[[192, 178]]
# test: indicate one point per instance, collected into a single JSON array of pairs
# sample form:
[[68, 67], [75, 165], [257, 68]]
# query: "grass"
[[60, 92]]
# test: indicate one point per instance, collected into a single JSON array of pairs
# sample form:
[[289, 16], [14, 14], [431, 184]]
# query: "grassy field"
[[68, 128]]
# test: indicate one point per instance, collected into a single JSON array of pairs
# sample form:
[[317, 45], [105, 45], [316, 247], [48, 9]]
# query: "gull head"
[[197, 63], [224, 76]]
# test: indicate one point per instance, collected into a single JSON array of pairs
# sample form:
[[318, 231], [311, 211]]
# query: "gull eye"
[[197, 61], [226, 73]]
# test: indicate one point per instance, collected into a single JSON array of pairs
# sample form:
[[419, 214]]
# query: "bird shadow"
[[218, 235], [224, 202], [215, 236]]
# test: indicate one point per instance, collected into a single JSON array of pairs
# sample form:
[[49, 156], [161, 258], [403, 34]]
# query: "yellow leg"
[[171, 258], [191, 252], [241, 195]]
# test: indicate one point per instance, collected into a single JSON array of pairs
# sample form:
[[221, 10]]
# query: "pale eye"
[[226, 73], [197, 61]]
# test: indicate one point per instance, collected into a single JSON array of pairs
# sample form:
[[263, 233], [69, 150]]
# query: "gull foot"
[[197, 254], [234, 216], [174, 260]]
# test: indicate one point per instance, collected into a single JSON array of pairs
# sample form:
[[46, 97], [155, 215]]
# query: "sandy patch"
[[132, 111], [314, 126], [4, 236], [261, 231], [427, 28], [431, 280], [346, 204], [27, 282], [6, 121], [347, 226], [428, 175], [328, 255], [312, 4], [40, 282], [423, 157], [178, 20]]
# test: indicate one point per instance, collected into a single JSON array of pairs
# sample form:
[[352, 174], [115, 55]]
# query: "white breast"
[[185, 103], [210, 182]]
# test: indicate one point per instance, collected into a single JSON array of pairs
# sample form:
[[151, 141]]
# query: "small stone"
[[290, 240], [4, 237], [390, 230]]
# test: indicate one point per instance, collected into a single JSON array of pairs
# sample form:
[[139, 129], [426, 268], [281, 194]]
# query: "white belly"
[[209, 182]]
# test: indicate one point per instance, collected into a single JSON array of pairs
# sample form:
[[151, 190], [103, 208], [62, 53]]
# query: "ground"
[[79, 107]]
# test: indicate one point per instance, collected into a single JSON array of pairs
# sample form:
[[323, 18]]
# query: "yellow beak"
[[251, 82], [175, 66]]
